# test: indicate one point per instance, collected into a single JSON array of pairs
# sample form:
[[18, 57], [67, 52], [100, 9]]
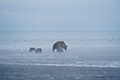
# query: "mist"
[[48, 15]]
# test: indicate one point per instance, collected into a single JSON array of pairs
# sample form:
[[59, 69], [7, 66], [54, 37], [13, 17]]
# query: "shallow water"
[[83, 65], [21, 72], [23, 40], [81, 57], [90, 55]]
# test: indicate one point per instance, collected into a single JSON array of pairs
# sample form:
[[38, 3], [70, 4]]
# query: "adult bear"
[[38, 50], [59, 46]]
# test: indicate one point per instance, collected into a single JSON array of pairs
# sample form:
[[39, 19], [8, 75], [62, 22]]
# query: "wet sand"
[[27, 66], [34, 72]]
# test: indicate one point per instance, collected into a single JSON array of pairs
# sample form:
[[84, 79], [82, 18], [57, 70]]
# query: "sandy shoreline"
[[22, 66], [20, 72]]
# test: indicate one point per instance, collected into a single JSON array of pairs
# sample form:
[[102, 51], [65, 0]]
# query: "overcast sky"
[[18, 15]]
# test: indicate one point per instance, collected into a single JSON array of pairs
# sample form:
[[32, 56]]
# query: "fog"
[[35, 15]]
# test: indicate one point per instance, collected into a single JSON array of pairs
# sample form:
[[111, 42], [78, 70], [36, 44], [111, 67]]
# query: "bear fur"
[[59, 46], [32, 49], [38, 50]]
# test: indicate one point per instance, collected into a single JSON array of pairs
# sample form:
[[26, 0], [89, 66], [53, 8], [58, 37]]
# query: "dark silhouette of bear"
[[38, 50], [32, 49], [59, 49], [59, 46]]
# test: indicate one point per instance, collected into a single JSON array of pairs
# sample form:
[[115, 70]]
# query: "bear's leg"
[[60, 49], [53, 49]]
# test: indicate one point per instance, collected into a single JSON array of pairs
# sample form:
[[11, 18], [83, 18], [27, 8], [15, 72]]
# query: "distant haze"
[[35, 15]]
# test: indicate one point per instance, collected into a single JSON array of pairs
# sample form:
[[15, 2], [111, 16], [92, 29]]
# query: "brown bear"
[[38, 50], [32, 49], [59, 46]]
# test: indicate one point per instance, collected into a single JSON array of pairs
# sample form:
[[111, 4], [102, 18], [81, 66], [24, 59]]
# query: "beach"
[[59, 39], [15, 72], [91, 55], [82, 65]]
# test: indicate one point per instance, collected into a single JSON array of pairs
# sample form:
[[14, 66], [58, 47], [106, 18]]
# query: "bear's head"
[[65, 47]]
